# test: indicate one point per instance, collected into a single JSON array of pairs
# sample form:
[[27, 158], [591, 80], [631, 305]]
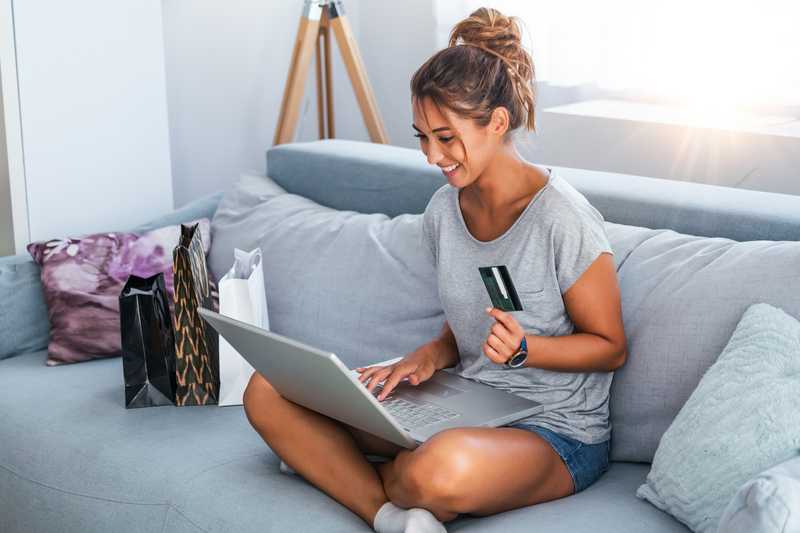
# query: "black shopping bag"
[[148, 345], [196, 343]]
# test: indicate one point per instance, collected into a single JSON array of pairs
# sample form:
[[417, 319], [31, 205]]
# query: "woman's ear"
[[499, 121]]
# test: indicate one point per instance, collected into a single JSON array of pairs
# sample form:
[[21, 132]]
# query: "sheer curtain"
[[726, 54]]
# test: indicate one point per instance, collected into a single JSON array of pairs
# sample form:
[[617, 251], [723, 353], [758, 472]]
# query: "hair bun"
[[496, 33]]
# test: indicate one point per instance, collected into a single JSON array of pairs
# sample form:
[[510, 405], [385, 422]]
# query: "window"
[[705, 91], [725, 54]]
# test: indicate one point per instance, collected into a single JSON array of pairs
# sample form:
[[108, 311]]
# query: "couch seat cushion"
[[74, 458]]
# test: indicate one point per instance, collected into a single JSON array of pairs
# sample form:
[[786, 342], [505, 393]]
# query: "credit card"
[[500, 288]]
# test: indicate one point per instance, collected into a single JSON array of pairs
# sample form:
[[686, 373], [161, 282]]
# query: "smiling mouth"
[[450, 168]]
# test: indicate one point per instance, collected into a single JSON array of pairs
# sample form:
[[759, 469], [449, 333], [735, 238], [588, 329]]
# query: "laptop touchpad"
[[437, 389]]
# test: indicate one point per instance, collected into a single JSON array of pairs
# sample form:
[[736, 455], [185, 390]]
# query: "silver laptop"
[[410, 414]]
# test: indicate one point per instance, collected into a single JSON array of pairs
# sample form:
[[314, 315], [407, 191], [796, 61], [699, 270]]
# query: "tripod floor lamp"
[[318, 18]]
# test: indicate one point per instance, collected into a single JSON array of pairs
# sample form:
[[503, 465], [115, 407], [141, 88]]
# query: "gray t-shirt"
[[553, 241]]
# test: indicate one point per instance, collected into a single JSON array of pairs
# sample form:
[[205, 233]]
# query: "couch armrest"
[[24, 324]]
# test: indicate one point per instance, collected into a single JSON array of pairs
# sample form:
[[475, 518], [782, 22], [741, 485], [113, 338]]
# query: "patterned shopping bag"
[[196, 343]]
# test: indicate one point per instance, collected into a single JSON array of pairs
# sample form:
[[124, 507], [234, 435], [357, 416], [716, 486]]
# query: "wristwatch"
[[519, 358]]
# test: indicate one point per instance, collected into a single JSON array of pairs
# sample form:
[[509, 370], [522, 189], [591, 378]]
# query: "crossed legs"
[[477, 471]]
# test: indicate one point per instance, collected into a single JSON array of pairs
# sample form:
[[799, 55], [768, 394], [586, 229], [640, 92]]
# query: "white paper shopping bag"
[[241, 296]]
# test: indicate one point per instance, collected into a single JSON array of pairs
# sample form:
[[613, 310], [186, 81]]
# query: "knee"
[[258, 394], [437, 472]]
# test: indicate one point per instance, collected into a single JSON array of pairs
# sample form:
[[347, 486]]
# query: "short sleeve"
[[429, 235], [578, 240]]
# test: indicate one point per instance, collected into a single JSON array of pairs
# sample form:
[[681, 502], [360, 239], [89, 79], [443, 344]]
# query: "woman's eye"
[[422, 137]]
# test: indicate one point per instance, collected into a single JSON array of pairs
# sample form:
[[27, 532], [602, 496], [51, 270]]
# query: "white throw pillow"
[[768, 503], [743, 417]]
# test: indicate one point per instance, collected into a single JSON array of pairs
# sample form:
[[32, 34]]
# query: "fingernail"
[[488, 309]]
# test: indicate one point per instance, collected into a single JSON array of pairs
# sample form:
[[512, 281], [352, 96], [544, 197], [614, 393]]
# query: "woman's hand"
[[504, 337], [418, 366]]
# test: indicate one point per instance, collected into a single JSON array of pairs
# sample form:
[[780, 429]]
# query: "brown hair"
[[483, 67]]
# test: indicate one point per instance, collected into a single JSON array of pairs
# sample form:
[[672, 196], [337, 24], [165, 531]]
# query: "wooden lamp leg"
[[320, 88], [328, 76], [324, 81], [319, 17], [307, 34], [357, 72]]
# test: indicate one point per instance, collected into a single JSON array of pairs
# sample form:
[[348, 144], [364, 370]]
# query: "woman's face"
[[458, 146]]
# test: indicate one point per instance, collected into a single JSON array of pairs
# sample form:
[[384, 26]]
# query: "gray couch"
[[72, 458]]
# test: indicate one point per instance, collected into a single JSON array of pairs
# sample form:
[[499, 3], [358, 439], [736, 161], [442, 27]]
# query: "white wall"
[[92, 107], [398, 38], [226, 70], [6, 228], [12, 173]]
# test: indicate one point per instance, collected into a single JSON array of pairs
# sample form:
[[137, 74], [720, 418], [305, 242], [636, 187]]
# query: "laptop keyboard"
[[416, 413]]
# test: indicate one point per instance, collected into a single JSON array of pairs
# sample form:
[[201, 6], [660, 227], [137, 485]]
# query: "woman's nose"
[[434, 155]]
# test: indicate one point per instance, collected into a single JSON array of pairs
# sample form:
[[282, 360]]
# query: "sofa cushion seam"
[[75, 493], [168, 504]]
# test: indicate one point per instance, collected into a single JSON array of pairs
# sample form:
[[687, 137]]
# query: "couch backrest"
[[372, 178], [682, 295]]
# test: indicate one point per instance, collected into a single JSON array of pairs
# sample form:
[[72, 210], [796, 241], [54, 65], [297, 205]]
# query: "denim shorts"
[[585, 462]]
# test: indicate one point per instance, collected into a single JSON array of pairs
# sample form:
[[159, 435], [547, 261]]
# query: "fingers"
[[382, 375], [369, 371], [412, 369], [502, 340], [492, 354], [365, 372], [505, 319], [374, 374], [362, 369], [502, 333], [502, 348], [391, 383]]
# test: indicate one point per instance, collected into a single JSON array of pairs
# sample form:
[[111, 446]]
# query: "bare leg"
[[477, 471], [405, 494], [324, 451]]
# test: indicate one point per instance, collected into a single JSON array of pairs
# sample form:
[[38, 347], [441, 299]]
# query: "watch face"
[[518, 359]]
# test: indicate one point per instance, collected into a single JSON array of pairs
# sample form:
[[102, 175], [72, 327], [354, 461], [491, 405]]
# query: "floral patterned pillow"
[[82, 278]]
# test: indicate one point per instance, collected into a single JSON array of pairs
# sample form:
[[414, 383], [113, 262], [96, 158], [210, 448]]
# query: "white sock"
[[423, 521], [393, 519], [286, 469]]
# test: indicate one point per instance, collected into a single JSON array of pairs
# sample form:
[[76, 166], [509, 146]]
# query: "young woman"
[[495, 209]]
